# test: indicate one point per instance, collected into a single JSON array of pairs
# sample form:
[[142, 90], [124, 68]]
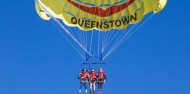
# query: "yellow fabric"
[[64, 10], [41, 14]]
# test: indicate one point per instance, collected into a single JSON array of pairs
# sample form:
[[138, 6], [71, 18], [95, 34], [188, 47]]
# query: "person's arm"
[[89, 77], [97, 76], [79, 76], [104, 76]]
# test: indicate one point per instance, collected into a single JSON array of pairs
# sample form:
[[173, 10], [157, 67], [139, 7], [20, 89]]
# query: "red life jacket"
[[84, 75], [101, 75], [93, 75]]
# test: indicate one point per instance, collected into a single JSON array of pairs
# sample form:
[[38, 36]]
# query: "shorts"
[[101, 80], [93, 81]]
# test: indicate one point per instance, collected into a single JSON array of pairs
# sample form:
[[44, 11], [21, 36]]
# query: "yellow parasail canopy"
[[102, 15]]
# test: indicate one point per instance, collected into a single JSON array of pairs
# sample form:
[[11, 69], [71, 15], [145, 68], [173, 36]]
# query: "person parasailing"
[[83, 76], [92, 81], [101, 77]]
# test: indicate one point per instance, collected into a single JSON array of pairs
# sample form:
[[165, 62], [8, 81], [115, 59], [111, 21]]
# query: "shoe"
[[79, 90], [86, 90], [98, 90], [91, 92]]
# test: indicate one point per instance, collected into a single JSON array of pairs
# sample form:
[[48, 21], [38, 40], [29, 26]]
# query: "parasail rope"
[[108, 32], [58, 23], [106, 36], [91, 41], [99, 42], [63, 35], [80, 34], [121, 40], [110, 40], [78, 37], [125, 37]]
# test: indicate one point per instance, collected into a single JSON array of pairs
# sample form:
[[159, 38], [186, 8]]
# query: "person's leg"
[[90, 87], [85, 83], [81, 84], [85, 86], [94, 87], [98, 85], [101, 84]]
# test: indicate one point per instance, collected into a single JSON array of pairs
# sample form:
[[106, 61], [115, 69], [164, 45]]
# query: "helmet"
[[92, 69], [84, 69]]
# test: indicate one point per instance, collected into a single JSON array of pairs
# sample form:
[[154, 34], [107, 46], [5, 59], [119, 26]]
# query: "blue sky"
[[35, 59]]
